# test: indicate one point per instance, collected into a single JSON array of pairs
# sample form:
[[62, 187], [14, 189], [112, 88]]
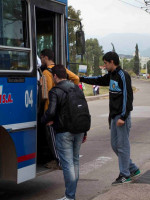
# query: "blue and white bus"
[[26, 27]]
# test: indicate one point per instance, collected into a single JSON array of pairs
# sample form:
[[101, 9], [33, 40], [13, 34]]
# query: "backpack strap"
[[49, 69], [40, 71]]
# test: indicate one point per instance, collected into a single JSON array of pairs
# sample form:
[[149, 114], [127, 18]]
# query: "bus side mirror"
[[80, 42]]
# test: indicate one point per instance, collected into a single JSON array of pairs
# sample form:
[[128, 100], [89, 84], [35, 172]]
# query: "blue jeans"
[[68, 147], [121, 145]]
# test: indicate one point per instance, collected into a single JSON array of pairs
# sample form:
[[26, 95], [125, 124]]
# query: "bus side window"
[[5, 61], [13, 22], [14, 36]]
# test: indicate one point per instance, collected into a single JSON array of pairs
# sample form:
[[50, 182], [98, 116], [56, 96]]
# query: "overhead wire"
[[139, 2], [129, 3], [146, 5]]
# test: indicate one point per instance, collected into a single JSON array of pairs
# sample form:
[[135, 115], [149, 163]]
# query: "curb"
[[102, 96], [97, 97]]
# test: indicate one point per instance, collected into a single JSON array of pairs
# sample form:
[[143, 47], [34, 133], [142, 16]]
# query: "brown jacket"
[[51, 84]]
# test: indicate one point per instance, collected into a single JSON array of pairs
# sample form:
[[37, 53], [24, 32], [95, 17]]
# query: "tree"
[[128, 65], [113, 47], [148, 67], [136, 68], [72, 28], [92, 54]]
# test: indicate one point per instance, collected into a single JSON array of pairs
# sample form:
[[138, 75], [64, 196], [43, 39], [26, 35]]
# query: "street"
[[98, 163]]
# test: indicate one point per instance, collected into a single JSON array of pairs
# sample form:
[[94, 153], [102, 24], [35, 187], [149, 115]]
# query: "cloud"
[[101, 18]]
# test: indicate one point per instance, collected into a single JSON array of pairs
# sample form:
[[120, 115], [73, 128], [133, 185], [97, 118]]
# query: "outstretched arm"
[[97, 80]]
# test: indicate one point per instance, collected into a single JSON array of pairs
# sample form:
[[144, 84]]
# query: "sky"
[[104, 17]]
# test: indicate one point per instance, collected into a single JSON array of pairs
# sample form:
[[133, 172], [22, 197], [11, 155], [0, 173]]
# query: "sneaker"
[[135, 174], [64, 198], [121, 180]]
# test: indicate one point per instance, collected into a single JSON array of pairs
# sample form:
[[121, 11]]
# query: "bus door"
[[49, 33]]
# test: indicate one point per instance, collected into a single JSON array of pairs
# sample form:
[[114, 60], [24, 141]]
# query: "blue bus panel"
[[62, 1], [18, 101], [25, 144]]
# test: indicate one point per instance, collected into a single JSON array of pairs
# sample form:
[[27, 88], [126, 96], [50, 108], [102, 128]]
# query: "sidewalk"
[[137, 190]]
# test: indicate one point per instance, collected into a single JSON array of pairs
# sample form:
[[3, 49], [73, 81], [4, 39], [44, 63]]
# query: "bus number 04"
[[28, 98]]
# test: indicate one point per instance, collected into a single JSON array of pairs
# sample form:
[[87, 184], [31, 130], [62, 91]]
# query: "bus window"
[[13, 60], [14, 39], [50, 33], [13, 20], [45, 26]]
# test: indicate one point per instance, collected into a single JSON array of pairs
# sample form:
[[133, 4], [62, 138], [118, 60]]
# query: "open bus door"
[[49, 34]]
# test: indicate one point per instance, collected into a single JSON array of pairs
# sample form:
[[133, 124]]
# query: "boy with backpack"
[[69, 114], [47, 61]]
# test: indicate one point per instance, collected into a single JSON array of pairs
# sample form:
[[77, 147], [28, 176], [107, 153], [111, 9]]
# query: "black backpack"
[[74, 113]]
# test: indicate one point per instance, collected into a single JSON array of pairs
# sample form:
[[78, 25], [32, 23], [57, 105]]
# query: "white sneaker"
[[64, 198]]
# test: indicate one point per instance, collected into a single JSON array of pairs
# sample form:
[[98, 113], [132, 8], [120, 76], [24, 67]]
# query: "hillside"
[[125, 43]]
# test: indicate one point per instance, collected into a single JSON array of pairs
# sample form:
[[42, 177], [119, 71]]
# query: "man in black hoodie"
[[120, 106]]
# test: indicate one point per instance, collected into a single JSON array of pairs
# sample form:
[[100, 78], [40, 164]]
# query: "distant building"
[[143, 61], [128, 57]]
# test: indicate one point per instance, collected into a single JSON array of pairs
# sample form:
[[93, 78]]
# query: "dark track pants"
[[50, 134]]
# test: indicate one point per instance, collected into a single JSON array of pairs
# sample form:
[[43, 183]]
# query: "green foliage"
[[89, 90], [72, 28], [132, 74], [113, 47], [97, 70], [72, 25], [136, 68], [128, 65], [93, 53], [148, 67]]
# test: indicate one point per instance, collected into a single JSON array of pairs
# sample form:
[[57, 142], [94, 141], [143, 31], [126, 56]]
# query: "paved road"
[[99, 165]]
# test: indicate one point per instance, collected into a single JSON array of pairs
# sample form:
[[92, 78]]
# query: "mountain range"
[[125, 43]]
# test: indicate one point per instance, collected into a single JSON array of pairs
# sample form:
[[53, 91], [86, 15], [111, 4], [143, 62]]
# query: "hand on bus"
[[50, 123]]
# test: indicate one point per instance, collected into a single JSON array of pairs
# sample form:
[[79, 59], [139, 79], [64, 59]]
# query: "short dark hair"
[[111, 56], [49, 53], [60, 71]]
